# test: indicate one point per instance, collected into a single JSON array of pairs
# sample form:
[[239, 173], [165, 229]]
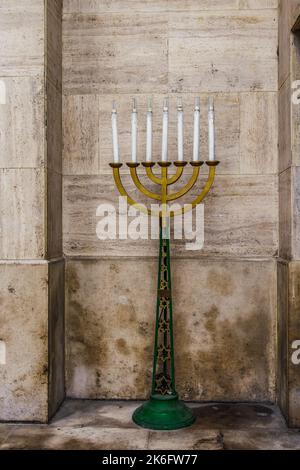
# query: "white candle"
[[134, 133], [196, 130], [164, 152], [149, 132], [180, 130], [211, 131], [115, 134]]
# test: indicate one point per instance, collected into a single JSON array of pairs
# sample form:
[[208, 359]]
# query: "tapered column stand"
[[164, 410]]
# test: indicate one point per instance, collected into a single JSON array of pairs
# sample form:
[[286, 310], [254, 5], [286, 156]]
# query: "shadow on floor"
[[96, 425]]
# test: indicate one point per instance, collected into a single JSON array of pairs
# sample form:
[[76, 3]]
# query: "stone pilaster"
[[289, 235], [31, 261]]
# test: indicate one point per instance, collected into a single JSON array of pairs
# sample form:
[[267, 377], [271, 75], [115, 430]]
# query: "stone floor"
[[85, 424]]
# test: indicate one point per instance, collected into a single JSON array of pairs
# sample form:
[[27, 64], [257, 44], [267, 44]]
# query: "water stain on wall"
[[223, 330]]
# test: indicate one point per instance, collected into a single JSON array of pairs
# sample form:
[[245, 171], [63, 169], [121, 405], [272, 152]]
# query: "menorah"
[[164, 410]]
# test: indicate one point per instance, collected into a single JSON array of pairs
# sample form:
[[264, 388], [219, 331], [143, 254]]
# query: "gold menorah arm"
[[164, 197], [187, 208], [189, 185], [180, 166], [152, 177], [116, 173], [155, 179], [139, 185]]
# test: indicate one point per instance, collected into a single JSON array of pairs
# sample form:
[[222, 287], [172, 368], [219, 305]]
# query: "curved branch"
[[175, 177], [130, 201], [141, 187], [198, 199], [152, 177], [187, 187]]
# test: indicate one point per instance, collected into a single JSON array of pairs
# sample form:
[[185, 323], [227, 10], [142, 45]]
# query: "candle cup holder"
[[164, 411]]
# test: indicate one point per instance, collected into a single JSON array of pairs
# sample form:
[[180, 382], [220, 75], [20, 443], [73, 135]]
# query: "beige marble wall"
[[31, 282], [53, 83], [125, 49], [243, 144], [289, 328], [24, 331], [32, 386], [56, 335], [240, 217], [289, 248], [121, 49], [96, 6], [54, 127], [226, 339], [22, 32]]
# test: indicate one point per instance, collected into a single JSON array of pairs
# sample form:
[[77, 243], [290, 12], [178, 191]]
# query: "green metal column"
[[163, 411]]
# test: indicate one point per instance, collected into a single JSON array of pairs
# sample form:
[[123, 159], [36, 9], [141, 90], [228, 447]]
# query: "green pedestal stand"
[[163, 411]]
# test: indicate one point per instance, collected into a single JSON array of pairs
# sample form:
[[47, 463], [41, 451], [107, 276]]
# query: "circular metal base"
[[163, 413]]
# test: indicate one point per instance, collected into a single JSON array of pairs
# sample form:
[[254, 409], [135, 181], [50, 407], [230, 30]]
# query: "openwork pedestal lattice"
[[164, 411]]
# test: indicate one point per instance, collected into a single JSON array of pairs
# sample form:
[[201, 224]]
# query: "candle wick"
[[134, 110], [166, 103]]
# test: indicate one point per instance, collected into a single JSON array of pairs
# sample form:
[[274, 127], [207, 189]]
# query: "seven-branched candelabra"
[[164, 410]]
